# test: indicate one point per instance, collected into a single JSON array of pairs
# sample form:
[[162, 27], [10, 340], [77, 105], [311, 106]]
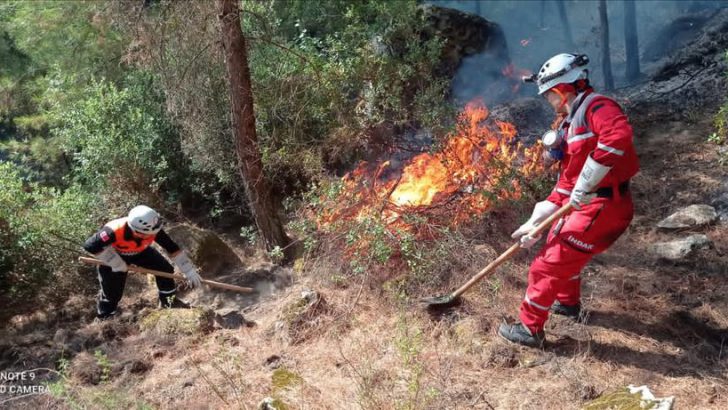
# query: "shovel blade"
[[438, 302]]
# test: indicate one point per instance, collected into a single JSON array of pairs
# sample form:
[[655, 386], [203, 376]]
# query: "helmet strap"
[[561, 95]]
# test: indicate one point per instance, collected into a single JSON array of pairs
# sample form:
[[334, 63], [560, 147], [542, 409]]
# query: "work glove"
[[112, 260], [541, 211], [185, 266], [591, 175]]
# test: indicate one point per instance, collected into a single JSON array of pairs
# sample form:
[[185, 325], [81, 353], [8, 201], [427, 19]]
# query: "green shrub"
[[41, 230], [122, 143]]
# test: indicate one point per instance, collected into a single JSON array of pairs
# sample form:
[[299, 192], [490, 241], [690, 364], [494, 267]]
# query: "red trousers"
[[571, 243]]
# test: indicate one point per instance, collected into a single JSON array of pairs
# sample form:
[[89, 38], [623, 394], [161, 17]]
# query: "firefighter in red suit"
[[595, 147]]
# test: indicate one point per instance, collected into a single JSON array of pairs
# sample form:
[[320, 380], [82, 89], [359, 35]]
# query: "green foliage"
[[40, 232], [121, 141], [409, 343], [50, 51], [249, 234], [104, 363], [326, 85], [276, 254], [720, 121], [104, 396]]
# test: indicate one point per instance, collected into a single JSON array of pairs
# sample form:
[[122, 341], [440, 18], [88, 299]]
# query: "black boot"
[[173, 302], [571, 311], [518, 333]]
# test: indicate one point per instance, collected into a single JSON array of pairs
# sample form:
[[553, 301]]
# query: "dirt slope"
[[651, 323]]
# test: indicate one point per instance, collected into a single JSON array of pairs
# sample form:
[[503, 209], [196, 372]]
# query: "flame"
[[481, 163]]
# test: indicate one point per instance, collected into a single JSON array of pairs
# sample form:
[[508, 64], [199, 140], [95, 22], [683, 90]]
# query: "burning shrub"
[[388, 218]]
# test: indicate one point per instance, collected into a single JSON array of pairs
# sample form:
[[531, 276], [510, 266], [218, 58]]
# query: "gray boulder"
[[691, 217], [208, 251], [681, 249]]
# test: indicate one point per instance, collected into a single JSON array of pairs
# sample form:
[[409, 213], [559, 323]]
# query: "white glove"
[[187, 268], [591, 175], [112, 260], [541, 211]]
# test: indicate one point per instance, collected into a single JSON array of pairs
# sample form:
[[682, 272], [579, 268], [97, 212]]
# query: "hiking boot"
[[100, 317], [174, 303], [518, 333], [571, 311]]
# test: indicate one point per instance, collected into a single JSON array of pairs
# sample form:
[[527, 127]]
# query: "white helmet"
[[144, 220], [561, 69]]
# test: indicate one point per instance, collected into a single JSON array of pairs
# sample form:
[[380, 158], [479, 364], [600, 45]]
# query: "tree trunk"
[[606, 60], [243, 122], [631, 43], [565, 24]]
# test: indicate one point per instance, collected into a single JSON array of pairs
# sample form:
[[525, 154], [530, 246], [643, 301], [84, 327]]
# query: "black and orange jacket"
[[117, 233]]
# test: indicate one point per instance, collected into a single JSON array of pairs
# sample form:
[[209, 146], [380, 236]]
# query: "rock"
[[218, 262], [475, 54], [231, 319], [465, 35], [720, 202], [680, 249], [691, 217], [208, 251], [272, 362], [531, 116]]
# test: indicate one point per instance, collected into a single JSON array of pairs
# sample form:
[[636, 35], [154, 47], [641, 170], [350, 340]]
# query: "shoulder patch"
[[104, 236]]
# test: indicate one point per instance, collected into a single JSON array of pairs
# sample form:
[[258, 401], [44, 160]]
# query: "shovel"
[[139, 269], [444, 301]]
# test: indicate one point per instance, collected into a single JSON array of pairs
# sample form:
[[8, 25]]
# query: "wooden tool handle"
[[139, 269], [512, 250]]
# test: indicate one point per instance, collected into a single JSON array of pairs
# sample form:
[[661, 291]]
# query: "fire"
[[481, 163]]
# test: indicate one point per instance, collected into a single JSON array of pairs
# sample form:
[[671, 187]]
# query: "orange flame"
[[480, 163]]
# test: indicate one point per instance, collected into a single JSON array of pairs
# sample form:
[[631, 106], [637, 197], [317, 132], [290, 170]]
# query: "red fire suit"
[[596, 126]]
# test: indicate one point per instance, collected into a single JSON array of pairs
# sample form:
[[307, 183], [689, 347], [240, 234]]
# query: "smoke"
[[534, 32]]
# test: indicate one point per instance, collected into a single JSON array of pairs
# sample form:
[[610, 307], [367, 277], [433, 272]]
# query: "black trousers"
[[112, 283]]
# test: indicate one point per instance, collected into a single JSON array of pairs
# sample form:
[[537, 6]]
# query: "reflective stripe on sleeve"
[[534, 304], [563, 191], [580, 137], [610, 149]]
